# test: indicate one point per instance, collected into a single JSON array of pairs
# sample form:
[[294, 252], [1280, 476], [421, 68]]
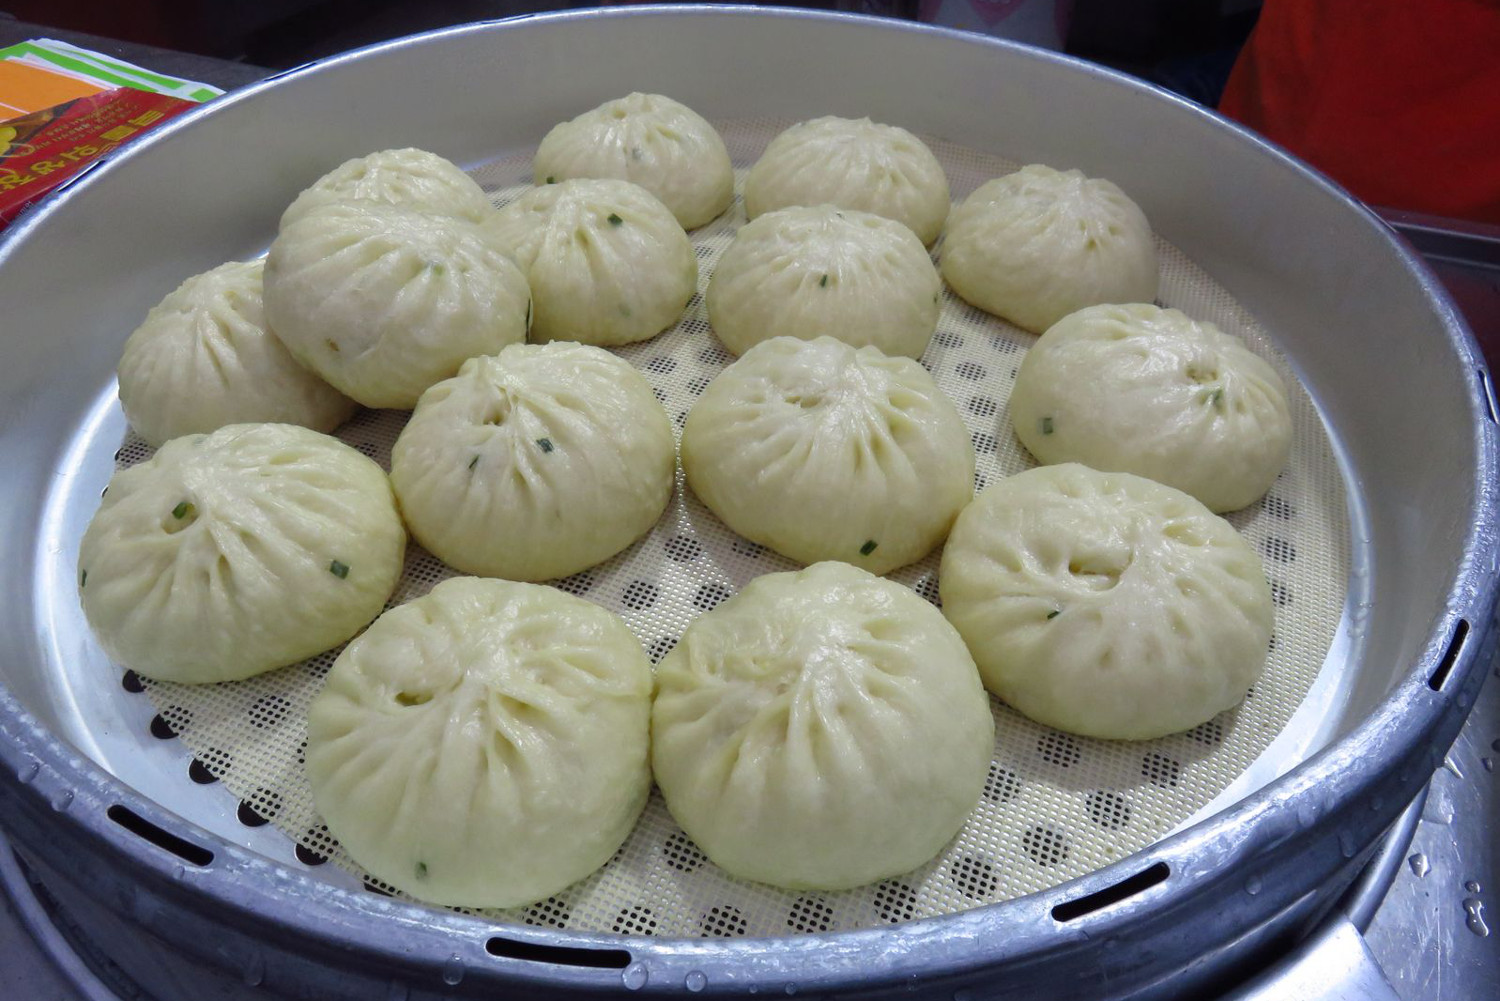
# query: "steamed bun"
[[852, 164], [822, 451], [409, 178], [607, 263], [806, 272], [1105, 604], [230, 554], [821, 729], [656, 142], [535, 463], [1145, 390], [1039, 244], [383, 301], [203, 358], [484, 745]]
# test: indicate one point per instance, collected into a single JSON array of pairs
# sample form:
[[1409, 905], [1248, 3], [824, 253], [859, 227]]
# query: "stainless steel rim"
[[1315, 821]]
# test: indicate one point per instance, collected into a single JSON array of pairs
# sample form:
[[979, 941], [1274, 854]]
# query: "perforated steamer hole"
[[723, 921], [679, 852], [1001, 785], [1279, 549], [896, 902], [1211, 733], [927, 587], [982, 406], [1160, 770], [1108, 809], [683, 548], [161, 729], [578, 584], [268, 710], [708, 596], [640, 594], [974, 876], [635, 920], [660, 647], [810, 914], [1045, 845], [259, 809], [308, 856], [554, 912], [1058, 749], [948, 339], [199, 773]]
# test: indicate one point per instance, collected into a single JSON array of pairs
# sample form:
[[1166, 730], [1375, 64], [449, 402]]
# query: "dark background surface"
[[1184, 45]]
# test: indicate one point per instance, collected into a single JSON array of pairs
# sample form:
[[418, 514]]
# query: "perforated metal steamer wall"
[[1381, 539]]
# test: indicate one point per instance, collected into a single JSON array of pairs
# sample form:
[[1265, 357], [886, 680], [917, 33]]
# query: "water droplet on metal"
[[29, 773], [1347, 845], [180, 872], [1474, 908], [1488, 763], [1419, 865], [62, 801], [1471, 887], [1307, 814], [1496, 742], [791, 989], [1253, 885], [255, 971], [634, 976], [753, 989], [453, 970], [695, 981]]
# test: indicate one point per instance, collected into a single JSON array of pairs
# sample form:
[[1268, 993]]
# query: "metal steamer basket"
[[1399, 386]]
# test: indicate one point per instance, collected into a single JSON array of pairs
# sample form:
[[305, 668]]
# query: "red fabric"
[[1398, 100]]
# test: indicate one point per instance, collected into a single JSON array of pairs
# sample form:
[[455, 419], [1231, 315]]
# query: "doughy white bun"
[[822, 451], [536, 463], [409, 178], [484, 745], [1038, 244], [1105, 604], [1144, 390], [656, 142], [382, 302], [853, 164], [606, 262], [203, 358], [821, 729], [806, 272], [230, 554]]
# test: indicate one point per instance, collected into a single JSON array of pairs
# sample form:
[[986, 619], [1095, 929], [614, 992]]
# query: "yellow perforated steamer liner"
[[1054, 806]]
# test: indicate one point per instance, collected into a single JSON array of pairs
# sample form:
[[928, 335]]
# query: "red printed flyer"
[[63, 107], [45, 148]]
